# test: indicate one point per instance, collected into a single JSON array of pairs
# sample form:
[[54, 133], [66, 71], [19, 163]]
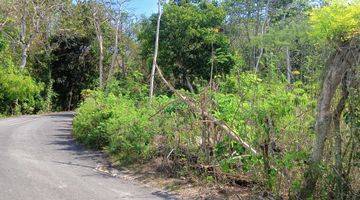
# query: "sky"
[[143, 7]]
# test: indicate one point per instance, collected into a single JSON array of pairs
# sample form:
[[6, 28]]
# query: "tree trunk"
[[153, 70], [188, 83], [24, 45], [69, 107], [101, 49], [338, 64], [263, 27], [101, 60], [338, 169], [116, 51], [24, 50], [48, 50], [288, 65], [212, 66]]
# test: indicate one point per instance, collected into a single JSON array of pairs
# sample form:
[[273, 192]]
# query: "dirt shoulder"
[[150, 174]]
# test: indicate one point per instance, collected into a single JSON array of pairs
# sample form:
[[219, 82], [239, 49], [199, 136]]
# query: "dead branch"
[[232, 134]]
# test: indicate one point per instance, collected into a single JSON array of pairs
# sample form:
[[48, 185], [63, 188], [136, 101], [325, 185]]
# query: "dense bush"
[[19, 93], [117, 124], [262, 112], [272, 114]]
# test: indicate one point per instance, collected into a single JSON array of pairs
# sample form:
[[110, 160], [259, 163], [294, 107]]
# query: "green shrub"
[[131, 128], [88, 123], [260, 109], [116, 124], [19, 92], [130, 86]]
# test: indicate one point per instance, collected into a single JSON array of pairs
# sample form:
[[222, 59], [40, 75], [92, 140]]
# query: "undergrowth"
[[272, 116]]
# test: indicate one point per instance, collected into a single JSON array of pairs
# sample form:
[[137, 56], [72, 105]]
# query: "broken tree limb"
[[232, 134]]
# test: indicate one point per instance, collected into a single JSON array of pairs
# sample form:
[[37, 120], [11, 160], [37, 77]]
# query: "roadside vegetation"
[[258, 94]]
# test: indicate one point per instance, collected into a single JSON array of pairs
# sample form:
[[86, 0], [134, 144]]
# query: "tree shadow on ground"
[[63, 141]]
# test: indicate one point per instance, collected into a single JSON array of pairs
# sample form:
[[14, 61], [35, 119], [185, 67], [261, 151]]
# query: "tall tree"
[[97, 21], [156, 51], [118, 16], [30, 14], [345, 36], [189, 31]]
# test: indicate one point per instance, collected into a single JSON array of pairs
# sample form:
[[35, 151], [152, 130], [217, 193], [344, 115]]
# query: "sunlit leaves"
[[338, 21], [19, 88], [191, 40]]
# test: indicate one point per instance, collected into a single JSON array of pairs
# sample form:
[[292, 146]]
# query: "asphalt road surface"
[[40, 161]]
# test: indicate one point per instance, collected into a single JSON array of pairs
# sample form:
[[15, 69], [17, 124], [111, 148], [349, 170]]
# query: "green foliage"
[[114, 123], [338, 21], [73, 68], [5, 56], [121, 121], [19, 93], [259, 109], [126, 126], [188, 34], [130, 86]]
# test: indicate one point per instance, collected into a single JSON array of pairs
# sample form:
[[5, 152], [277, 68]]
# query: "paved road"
[[40, 161]]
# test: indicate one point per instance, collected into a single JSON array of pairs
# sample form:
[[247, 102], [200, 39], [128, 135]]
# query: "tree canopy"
[[192, 38]]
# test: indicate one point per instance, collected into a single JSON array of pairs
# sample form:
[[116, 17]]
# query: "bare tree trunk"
[[188, 84], [258, 60], [212, 66], [262, 33], [70, 99], [339, 63], [49, 87], [338, 141], [101, 49], [116, 51], [24, 50], [101, 60], [117, 15], [24, 45], [153, 70], [122, 54], [288, 65]]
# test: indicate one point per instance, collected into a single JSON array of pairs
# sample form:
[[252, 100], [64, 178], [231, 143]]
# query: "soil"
[[185, 187]]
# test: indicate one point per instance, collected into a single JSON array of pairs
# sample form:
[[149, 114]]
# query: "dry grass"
[[152, 174]]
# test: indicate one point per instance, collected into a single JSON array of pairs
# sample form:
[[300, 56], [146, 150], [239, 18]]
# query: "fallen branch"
[[232, 134]]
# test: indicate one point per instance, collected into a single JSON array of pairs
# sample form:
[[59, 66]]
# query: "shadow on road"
[[80, 156], [69, 115]]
